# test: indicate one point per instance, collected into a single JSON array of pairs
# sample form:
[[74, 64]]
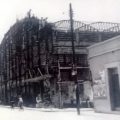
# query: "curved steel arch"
[[103, 26], [87, 27], [113, 29], [66, 24], [93, 27]]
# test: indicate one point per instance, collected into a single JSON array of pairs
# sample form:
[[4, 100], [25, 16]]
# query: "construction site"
[[38, 57]]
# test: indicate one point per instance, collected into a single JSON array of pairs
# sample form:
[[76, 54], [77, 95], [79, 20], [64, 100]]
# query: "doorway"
[[114, 88]]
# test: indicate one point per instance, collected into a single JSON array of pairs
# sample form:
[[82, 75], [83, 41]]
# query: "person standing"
[[38, 101], [12, 102], [77, 97], [20, 102]]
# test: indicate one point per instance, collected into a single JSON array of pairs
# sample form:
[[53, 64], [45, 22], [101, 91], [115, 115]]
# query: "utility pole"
[[74, 69], [72, 34]]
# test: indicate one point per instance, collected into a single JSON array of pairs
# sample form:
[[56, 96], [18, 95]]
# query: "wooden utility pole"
[[74, 69], [72, 34]]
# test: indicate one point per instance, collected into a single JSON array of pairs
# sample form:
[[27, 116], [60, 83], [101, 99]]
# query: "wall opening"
[[114, 88]]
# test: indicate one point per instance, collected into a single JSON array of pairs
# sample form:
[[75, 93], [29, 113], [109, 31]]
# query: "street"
[[7, 113]]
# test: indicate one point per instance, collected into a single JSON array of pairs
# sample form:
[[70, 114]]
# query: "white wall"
[[102, 56]]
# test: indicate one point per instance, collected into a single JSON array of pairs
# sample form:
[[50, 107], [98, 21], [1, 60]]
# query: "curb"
[[51, 109]]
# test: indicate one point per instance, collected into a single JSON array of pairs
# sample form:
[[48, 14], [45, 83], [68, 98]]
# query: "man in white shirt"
[[38, 101]]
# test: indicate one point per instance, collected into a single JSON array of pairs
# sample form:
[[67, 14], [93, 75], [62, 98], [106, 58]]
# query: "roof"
[[104, 42], [109, 46]]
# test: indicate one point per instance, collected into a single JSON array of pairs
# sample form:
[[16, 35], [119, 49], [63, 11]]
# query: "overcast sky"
[[84, 10]]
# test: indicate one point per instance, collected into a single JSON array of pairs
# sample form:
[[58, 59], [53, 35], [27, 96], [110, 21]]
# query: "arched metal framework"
[[88, 26]]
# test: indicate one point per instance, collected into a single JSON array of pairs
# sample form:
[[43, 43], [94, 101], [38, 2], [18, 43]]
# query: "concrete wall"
[[102, 56]]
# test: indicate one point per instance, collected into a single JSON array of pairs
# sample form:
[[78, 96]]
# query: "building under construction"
[[36, 57]]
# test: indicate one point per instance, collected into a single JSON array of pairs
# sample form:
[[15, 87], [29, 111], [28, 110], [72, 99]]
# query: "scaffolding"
[[34, 53]]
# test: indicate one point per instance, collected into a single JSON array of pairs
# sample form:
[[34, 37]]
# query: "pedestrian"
[[20, 102], [12, 102], [38, 101], [88, 102], [77, 98]]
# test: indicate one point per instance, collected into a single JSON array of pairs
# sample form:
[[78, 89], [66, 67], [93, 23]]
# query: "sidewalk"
[[52, 109], [53, 114]]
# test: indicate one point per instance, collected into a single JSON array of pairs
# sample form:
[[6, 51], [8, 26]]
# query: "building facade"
[[36, 58], [104, 59]]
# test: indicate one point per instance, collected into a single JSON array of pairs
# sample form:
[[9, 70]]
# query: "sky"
[[55, 10]]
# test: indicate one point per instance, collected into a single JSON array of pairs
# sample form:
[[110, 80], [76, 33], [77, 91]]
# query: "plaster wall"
[[101, 57]]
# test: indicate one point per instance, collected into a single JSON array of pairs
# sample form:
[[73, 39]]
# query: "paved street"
[[53, 114]]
